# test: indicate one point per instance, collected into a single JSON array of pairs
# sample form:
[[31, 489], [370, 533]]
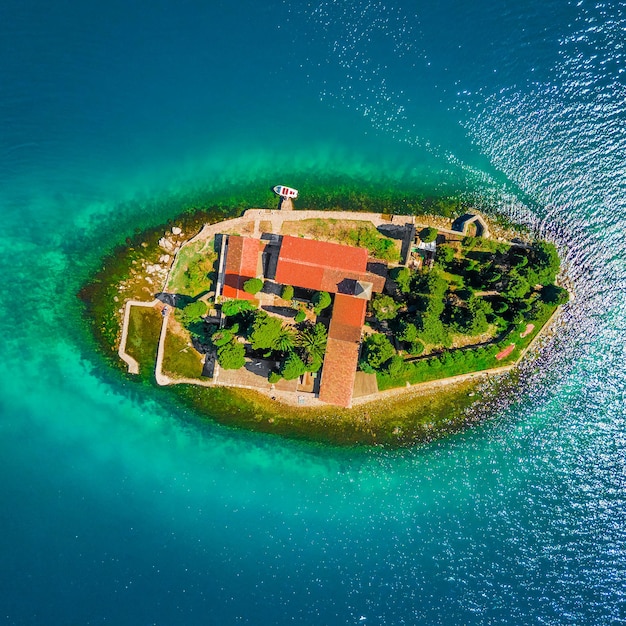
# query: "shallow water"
[[120, 509]]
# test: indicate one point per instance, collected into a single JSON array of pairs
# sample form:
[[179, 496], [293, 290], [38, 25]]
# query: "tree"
[[222, 337], [253, 286], [396, 366], [293, 367], [445, 255], [517, 286], [313, 342], [384, 307], [479, 309], [403, 277], [321, 301], [231, 356], [545, 262], [428, 234], [432, 331], [234, 307], [378, 350], [553, 294], [286, 339], [194, 312], [287, 293], [265, 332], [408, 332], [501, 307]]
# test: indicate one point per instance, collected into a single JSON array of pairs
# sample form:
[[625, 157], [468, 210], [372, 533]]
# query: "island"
[[322, 312]]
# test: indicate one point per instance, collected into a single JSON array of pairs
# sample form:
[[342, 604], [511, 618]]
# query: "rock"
[[176, 230], [164, 258], [166, 244]]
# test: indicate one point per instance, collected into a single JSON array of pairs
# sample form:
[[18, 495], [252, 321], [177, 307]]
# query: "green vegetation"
[[267, 333], [194, 271], [406, 421], [353, 233], [180, 360], [379, 246], [144, 329], [292, 367], [461, 313], [231, 355], [300, 316], [377, 350], [235, 307], [385, 307], [312, 341], [428, 234], [192, 313], [287, 293], [253, 286], [321, 300], [465, 361], [551, 294]]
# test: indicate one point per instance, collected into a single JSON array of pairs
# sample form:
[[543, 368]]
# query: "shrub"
[[321, 301], [300, 316], [253, 286], [274, 377], [287, 293]]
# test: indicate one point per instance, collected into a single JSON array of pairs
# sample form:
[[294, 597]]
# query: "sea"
[[118, 506]]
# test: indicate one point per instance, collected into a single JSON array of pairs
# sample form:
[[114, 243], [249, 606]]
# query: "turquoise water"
[[118, 507]]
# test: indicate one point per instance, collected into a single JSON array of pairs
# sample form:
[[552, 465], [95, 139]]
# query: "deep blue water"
[[116, 508]]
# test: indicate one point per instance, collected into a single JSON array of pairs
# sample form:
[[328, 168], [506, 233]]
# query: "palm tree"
[[286, 340], [313, 341]]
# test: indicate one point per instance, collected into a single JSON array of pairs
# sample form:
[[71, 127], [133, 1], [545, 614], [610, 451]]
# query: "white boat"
[[286, 192]]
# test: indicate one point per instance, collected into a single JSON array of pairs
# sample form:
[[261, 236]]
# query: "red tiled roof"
[[242, 261], [349, 311], [324, 253], [342, 350], [319, 265], [299, 275], [339, 372]]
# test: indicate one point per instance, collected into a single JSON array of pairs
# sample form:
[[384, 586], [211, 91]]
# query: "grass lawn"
[[180, 359], [193, 271], [144, 327]]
